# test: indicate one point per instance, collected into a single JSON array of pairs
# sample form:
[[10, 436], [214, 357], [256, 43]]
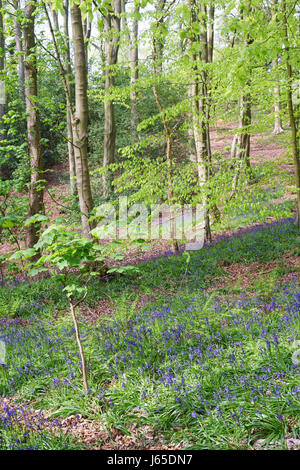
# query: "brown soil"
[[243, 275], [92, 433]]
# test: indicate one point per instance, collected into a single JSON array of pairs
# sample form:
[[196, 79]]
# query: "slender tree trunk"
[[87, 30], [33, 123], [191, 137], [196, 94], [65, 71], [168, 157], [19, 50], [240, 149], [293, 123], [112, 31], [2, 86], [199, 100], [210, 52], [211, 31], [69, 75], [78, 339], [55, 19], [277, 105], [80, 122], [134, 73], [159, 39], [2, 68], [132, 39]]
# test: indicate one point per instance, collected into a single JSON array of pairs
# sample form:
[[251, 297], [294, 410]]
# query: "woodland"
[[114, 334]]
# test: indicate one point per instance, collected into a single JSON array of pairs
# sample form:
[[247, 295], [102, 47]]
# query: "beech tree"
[[33, 122], [198, 93], [292, 110], [131, 33], [80, 122], [2, 67], [65, 67], [112, 25], [69, 86]]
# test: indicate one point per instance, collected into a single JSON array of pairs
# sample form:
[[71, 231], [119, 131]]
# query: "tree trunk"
[[210, 52], [2, 84], [168, 157], [20, 52], [132, 38], [134, 74], [293, 123], [277, 105], [159, 39], [79, 343], [68, 68], [198, 95], [240, 148], [80, 122], [277, 109], [2, 69], [33, 124], [87, 30], [112, 31]]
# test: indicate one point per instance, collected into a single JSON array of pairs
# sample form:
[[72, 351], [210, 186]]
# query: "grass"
[[198, 370]]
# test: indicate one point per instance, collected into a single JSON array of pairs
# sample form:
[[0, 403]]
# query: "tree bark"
[[20, 52], [132, 39], [68, 68], [33, 123], [240, 148], [112, 31], [277, 105], [2, 68], [134, 73], [198, 95], [78, 339], [80, 122], [293, 122], [87, 31], [168, 157]]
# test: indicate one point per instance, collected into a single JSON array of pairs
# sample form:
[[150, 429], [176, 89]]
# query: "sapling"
[[65, 254]]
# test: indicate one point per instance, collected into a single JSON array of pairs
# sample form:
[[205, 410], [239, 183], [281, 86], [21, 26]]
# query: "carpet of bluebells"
[[204, 370]]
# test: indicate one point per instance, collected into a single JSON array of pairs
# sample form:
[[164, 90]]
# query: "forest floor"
[[182, 354]]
